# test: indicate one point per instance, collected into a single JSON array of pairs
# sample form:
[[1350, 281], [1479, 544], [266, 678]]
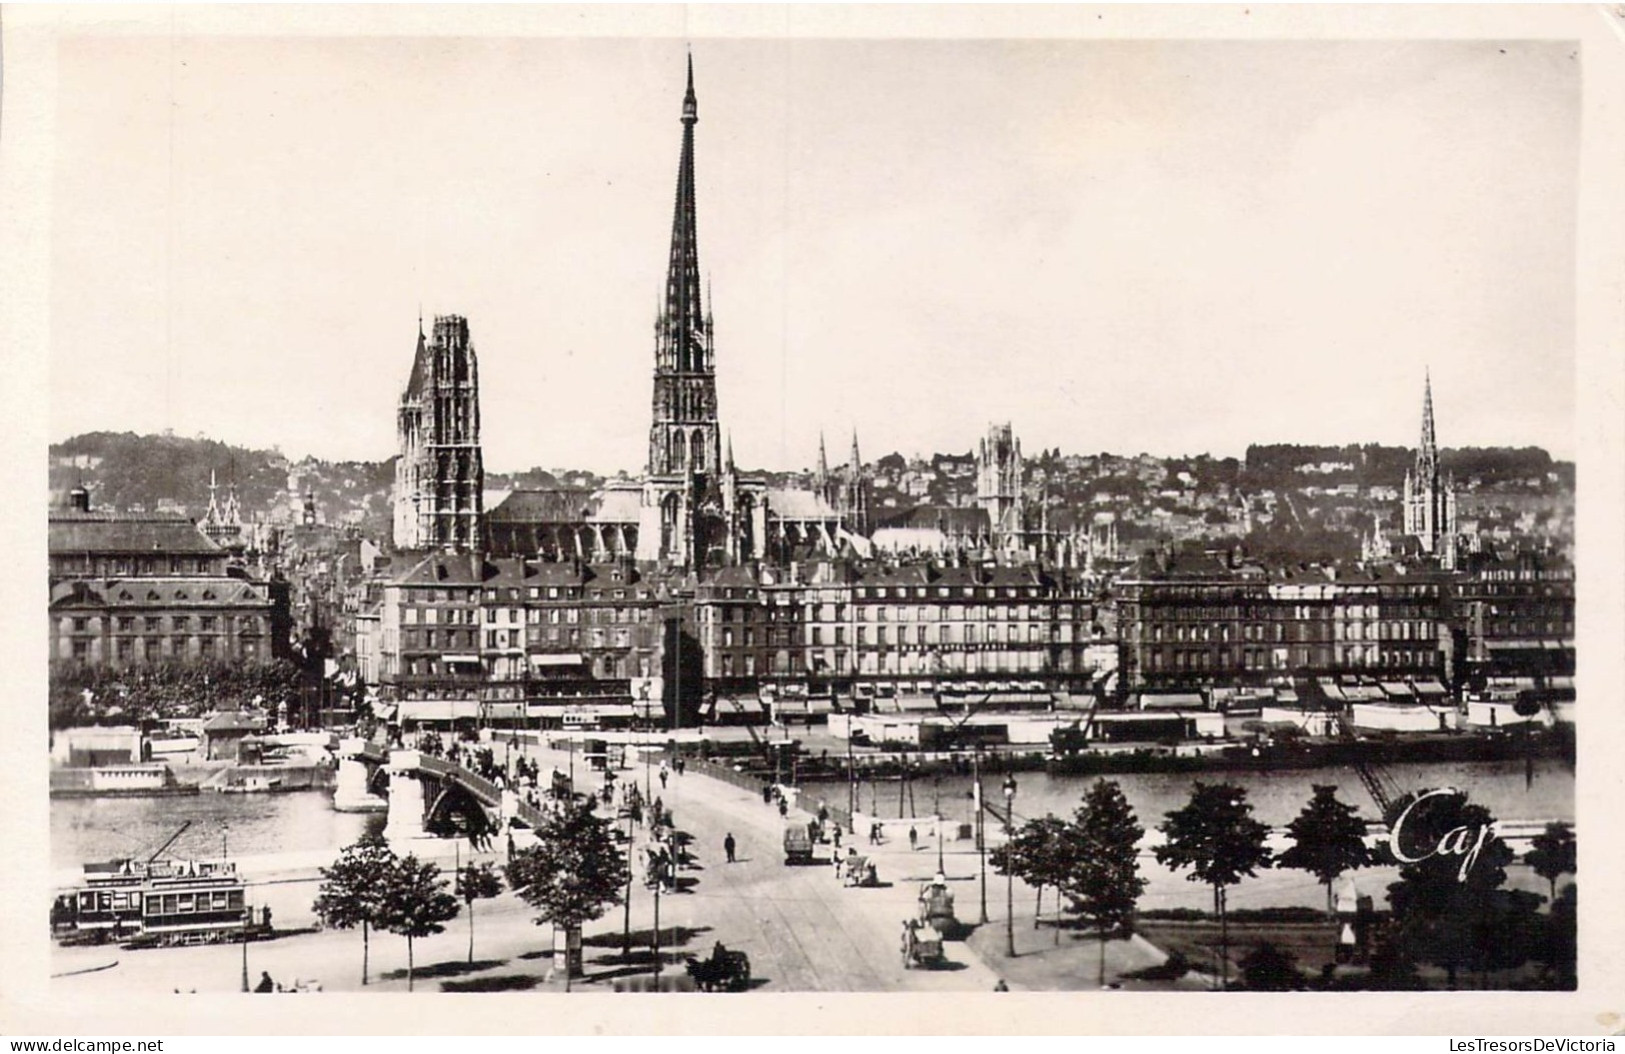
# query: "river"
[[84, 829]]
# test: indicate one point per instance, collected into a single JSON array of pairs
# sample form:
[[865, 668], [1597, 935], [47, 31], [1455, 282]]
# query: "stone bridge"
[[416, 788]]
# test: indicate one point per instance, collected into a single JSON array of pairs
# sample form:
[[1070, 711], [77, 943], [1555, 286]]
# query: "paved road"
[[802, 929]]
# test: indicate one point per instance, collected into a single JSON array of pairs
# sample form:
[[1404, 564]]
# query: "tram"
[[165, 902], [151, 902]]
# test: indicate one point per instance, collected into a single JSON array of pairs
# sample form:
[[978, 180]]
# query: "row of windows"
[[179, 623], [126, 566], [1162, 660], [153, 648], [1279, 632]]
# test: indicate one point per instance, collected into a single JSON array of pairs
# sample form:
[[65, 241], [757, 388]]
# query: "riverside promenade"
[[802, 929]]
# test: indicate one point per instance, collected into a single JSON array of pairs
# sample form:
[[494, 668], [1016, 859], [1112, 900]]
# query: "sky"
[[1161, 246]]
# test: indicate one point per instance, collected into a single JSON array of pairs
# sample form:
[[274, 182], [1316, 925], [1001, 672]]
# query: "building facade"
[[132, 589]]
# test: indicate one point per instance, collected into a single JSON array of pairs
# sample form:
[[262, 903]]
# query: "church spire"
[[213, 515], [683, 336], [855, 462], [1427, 451]]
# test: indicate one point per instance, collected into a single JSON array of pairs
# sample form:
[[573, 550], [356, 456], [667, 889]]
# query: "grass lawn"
[[1312, 944]]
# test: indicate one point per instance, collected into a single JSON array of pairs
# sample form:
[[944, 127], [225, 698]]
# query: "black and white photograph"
[[684, 510]]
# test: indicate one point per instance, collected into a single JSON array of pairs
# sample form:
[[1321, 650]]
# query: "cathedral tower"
[[695, 510], [998, 484], [440, 474], [683, 437]]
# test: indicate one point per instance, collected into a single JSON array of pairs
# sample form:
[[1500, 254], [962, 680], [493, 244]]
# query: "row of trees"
[[1442, 912], [572, 875], [87, 694]]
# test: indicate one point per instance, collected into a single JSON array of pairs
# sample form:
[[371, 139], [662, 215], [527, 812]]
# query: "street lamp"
[[936, 807], [1009, 868], [224, 856], [981, 840]]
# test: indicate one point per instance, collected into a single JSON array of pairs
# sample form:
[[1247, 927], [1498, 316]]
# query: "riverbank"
[[821, 756]]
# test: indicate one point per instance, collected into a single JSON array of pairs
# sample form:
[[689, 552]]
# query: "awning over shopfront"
[[439, 709], [555, 659], [589, 714], [461, 660], [1172, 701], [730, 704], [1429, 689]]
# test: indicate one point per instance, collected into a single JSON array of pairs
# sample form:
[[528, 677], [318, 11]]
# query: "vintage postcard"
[[1040, 515]]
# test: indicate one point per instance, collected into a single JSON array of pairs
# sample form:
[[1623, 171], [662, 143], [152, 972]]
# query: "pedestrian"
[[837, 836], [662, 777], [728, 846], [1001, 986], [767, 794], [874, 834], [913, 838], [784, 808], [266, 984]]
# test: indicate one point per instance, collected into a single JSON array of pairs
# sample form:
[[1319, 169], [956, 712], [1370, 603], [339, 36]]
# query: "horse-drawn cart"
[[859, 871], [724, 971], [922, 945]]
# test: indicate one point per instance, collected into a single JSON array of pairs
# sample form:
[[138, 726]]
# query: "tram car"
[[158, 902]]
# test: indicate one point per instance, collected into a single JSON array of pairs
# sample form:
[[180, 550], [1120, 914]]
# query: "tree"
[[1215, 836], [1101, 845], [1444, 906], [1327, 840], [1552, 853], [1034, 854], [477, 882], [573, 874], [1560, 944], [351, 889], [1270, 969], [414, 903]]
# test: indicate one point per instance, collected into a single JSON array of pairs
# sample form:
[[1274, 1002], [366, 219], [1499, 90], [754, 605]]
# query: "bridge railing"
[[489, 793]]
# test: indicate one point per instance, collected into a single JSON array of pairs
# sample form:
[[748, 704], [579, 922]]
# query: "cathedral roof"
[[799, 505], [544, 505], [939, 517], [616, 506]]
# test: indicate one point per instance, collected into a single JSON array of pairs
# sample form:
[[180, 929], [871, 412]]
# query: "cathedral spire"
[[1429, 448], [683, 317], [855, 461]]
